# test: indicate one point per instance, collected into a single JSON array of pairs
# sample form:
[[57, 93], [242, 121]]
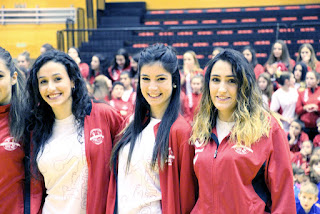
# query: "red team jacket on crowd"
[[307, 97], [11, 168], [115, 74], [101, 125], [191, 111], [122, 106], [177, 180], [302, 137], [237, 180], [258, 69], [316, 141]]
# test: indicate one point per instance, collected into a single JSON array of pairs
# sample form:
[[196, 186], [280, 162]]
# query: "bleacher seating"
[[203, 29]]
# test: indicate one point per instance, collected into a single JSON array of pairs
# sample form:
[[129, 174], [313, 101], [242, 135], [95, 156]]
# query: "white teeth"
[[54, 95], [154, 96]]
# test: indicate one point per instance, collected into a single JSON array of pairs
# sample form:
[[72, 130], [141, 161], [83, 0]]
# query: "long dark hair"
[[285, 56], [303, 71], [102, 67], [254, 60], [125, 54], [18, 103], [42, 117], [166, 56]]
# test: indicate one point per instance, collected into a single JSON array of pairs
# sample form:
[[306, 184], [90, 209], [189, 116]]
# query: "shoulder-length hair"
[[285, 56], [18, 102], [303, 71], [166, 57], [250, 116], [254, 60], [313, 59], [42, 117]]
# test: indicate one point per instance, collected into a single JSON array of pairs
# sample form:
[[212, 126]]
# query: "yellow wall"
[[18, 38], [186, 4]]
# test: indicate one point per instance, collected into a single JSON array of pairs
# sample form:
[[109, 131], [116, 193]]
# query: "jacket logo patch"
[[170, 157], [96, 136], [242, 150], [9, 144]]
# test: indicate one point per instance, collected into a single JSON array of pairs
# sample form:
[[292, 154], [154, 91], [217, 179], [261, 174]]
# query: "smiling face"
[[6, 82], [55, 88], [156, 88], [223, 89]]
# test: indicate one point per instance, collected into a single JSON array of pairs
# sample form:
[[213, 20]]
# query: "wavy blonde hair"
[[252, 120]]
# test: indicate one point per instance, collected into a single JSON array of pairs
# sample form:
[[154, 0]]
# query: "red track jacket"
[[101, 126]]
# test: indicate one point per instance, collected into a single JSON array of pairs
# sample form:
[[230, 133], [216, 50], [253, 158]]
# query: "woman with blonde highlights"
[[241, 153]]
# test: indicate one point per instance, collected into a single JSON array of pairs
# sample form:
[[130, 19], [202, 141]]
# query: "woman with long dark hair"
[[120, 63], [72, 138], [242, 155], [12, 124], [152, 163]]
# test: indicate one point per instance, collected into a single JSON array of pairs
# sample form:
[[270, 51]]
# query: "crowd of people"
[[143, 134]]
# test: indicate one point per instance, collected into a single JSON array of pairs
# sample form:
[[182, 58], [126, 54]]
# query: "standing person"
[[250, 54], [46, 47], [279, 54], [191, 106], [24, 62], [120, 63], [129, 95], [191, 67], [125, 108], [307, 107], [74, 53], [285, 98], [12, 124], [152, 163], [307, 55], [134, 60], [242, 157], [72, 138], [98, 67], [300, 71], [266, 88]]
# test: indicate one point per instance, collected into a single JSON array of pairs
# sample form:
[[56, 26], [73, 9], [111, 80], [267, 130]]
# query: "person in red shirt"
[[98, 66], [120, 63], [75, 55], [307, 107], [241, 153], [12, 124], [152, 162], [125, 108], [316, 139], [192, 101], [250, 54], [302, 158], [71, 139], [296, 136], [129, 94]]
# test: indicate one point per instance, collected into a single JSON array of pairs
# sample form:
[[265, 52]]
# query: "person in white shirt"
[[285, 98]]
